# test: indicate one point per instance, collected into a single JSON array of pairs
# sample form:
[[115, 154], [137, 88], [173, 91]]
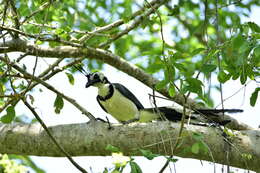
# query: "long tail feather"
[[215, 112]]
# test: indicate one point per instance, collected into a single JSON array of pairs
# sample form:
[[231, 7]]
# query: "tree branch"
[[111, 59], [135, 23], [91, 139], [60, 148], [48, 86], [117, 23]]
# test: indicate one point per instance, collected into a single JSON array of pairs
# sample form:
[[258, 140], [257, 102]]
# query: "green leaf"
[[71, 78], [238, 41], [59, 31], [180, 67], [257, 51], [208, 68], [9, 116], [172, 90], [195, 148], [175, 11], [197, 51], [223, 77], [171, 159], [112, 148], [161, 84], [106, 171], [243, 77], [148, 154], [203, 147], [2, 89], [197, 136], [135, 167], [254, 96], [58, 104], [39, 42], [127, 11], [254, 27], [194, 85]]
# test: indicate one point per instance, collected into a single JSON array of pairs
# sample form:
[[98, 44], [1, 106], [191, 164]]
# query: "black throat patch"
[[109, 95]]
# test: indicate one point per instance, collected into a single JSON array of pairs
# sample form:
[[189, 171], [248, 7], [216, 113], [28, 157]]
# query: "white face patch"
[[98, 75]]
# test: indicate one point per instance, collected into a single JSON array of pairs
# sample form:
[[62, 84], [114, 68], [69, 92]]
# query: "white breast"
[[120, 107]]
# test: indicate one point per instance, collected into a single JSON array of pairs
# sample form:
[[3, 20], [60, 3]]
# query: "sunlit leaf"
[[243, 77], [71, 78], [257, 51], [180, 66], [194, 85], [254, 27], [175, 11], [171, 159], [9, 116], [171, 90], [238, 41], [135, 168], [195, 148], [112, 148], [254, 96], [223, 77], [58, 104], [197, 136], [197, 51], [208, 68], [161, 84], [1, 89], [148, 154]]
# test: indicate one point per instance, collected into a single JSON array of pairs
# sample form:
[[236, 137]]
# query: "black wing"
[[101, 104], [128, 94]]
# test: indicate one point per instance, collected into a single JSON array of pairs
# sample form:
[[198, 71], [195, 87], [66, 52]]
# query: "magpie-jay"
[[118, 101]]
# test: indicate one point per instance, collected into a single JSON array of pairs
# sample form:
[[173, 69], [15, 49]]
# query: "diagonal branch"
[[48, 86], [118, 22], [135, 23]]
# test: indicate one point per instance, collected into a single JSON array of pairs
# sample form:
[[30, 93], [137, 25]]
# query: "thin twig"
[[184, 107], [135, 23], [44, 77], [226, 147], [163, 42], [15, 17], [41, 8], [52, 137], [41, 37], [112, 25], [232, 95], [48, 86]]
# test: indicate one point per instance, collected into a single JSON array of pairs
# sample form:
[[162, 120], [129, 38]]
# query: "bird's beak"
[[92, 82]]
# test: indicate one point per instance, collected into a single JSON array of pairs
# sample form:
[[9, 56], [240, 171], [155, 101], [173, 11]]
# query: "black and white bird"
[[122, 104]]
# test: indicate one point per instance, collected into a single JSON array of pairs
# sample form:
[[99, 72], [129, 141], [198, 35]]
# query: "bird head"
[[96, 79]]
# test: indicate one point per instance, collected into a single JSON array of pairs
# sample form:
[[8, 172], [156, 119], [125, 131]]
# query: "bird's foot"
[[130, 121], [105, 121]]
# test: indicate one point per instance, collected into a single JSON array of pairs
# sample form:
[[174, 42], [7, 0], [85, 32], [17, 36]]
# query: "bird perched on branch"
[[122, 104]]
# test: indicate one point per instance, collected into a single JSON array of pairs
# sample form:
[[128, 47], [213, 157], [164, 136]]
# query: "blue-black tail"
[[172, 114]]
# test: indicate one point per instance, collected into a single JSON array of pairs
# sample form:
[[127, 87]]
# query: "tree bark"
[[91, 139]]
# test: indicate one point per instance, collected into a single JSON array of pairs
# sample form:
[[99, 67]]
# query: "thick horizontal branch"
[[91, 139], [109, 58]]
